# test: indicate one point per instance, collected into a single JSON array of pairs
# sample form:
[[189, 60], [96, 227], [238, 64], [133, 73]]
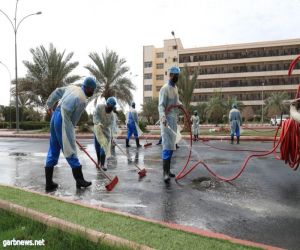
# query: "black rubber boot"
[[169, 169], [159, 142], [50, 185], [166, 168], [102, 162], [138, 145], [237, 140], [127, 143], [177, 146], [98, 158], [78, 176], [232, 137]]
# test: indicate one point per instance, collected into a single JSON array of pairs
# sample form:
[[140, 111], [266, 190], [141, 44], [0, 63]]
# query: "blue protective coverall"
[[168, 95], [235, 120], [72, 102], [132, 121]]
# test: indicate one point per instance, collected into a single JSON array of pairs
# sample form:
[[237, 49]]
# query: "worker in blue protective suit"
[[168, 95], [195, 125], [72, 101], [104, 122], [235, 120], [132, 126]]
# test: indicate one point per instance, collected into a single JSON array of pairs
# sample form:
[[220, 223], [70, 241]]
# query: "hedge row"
[[26, 125]]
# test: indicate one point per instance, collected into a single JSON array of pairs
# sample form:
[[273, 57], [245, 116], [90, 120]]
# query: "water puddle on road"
[[218, 161], [18, 154], [203, 183]]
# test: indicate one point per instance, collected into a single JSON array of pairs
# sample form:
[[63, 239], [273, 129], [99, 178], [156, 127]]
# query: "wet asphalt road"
[[263, 205]]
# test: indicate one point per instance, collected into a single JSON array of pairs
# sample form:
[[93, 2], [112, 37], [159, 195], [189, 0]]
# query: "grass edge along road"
[[142, 232], [15, 227]]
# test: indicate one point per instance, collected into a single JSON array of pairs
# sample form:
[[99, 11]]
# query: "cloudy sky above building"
[[125, 26]]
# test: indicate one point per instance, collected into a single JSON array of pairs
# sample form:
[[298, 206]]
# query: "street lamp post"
[[262, 103], [9, 92], [173, 34], [15, 25]]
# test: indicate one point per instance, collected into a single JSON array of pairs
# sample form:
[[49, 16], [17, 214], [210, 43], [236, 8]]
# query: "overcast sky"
[[125, 26]]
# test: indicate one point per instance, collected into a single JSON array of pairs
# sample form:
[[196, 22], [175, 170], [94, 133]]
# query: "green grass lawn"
[[16, 227], [150, 234]]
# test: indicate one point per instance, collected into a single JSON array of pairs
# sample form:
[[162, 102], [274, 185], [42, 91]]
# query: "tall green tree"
[[48, 70], [186, 85], [216, 108], [110, 70], [274, 104], [150, 110]]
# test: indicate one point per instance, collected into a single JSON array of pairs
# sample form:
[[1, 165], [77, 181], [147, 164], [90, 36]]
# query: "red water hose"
[[289, 142], [289, 149], [290, 146], [183, 173], [235, 149]]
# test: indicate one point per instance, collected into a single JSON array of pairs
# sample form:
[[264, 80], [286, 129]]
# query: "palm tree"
[[274, 104], [150, 110], [215, 108], [109, 70], [48, 71], [186, 85]]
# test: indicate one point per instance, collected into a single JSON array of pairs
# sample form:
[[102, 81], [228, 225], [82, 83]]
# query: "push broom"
[[112, 181], [142, 172], [147, 144]]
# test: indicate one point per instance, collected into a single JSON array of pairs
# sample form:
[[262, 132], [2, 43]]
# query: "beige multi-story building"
[[249, 72]]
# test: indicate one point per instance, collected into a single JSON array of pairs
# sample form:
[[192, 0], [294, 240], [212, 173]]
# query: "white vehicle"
[[277, 120]]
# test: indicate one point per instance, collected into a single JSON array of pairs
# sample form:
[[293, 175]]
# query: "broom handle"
[[82, 148], [128, 156]]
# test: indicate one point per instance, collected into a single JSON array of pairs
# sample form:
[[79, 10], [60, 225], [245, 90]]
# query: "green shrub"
[[84, 128], [4, 125], [143, 126], [26, 125], [33, 125]]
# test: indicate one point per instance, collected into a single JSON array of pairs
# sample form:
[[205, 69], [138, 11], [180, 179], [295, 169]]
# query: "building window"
[[159, 77], [147, 64], [148, 88], [166, 60], [158, 88], [166, 73], [174, 47], [160, 55], [160, 66], [174, 59], [148, 76]]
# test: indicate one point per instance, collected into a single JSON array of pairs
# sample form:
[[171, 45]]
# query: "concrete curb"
[[70, 227], [189, 229]]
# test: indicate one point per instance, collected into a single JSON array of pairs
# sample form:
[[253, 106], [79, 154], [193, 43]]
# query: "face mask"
[[88, 91], [175, 78], [108, 109], [89, 94]]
